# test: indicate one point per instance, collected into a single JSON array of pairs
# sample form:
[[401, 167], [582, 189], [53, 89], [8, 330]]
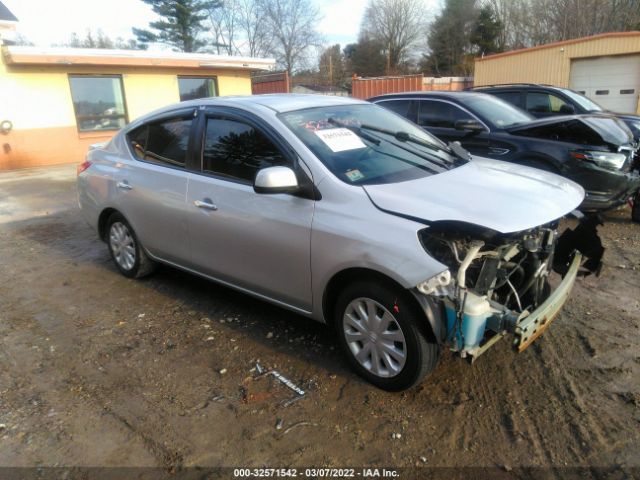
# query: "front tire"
[[125, 249], [383, 334]]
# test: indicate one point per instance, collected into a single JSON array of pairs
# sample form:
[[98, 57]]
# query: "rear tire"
[[384, 335], [125, 248]]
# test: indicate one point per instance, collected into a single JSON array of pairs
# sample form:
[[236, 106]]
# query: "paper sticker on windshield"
[[354, 175], [340, 139]]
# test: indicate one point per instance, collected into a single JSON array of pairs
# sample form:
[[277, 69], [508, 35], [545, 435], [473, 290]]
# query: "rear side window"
[[237, 150], [405, 108], [440, 114], [164, 142], [511, 97]]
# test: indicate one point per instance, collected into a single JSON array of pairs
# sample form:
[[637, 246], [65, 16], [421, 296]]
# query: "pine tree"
[[180, 25]]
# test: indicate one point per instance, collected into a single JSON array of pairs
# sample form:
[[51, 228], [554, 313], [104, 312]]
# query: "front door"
[[258, 242]]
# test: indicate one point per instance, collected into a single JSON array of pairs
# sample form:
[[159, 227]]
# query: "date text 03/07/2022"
[[315, 473]]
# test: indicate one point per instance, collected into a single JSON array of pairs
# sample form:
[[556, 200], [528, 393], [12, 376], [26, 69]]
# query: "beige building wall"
[[37, 101], [551, 63]]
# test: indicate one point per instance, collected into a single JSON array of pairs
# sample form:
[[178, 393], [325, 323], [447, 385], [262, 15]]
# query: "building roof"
[[6, 15], [56, 56], [559, 44]]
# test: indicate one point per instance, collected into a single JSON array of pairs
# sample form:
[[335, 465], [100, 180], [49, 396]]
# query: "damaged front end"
[[498, 284]]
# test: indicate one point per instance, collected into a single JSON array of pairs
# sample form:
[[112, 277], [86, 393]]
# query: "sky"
[[47, 22]]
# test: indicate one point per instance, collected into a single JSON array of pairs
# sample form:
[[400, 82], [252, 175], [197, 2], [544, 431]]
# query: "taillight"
[[83, 166]]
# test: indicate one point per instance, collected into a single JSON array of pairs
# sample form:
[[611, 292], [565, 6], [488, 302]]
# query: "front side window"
[[539, 102], [440, 114], [367, 145], [237, 150], [196, 87], [164, 142], [98, 102]]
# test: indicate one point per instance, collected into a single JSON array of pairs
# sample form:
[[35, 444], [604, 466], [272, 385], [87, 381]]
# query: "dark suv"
[[546, 100], [595, 151]]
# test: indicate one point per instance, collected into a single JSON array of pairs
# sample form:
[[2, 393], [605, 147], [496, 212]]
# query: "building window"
[[98, 102], [196, 87]]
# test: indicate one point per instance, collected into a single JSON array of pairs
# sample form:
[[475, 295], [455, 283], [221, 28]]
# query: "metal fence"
[[370, 87]]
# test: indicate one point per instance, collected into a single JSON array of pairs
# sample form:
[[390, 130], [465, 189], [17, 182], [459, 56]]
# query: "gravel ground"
[[100, 370]]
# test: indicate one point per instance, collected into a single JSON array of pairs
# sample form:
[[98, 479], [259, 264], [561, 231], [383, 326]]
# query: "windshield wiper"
[[403, 137]]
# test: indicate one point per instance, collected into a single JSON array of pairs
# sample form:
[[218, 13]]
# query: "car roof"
[[276, 102], [456, 94], [279, 102], [517, 86]]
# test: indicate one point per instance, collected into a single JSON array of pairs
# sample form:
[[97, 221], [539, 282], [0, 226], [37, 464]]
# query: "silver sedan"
[[341, 211]]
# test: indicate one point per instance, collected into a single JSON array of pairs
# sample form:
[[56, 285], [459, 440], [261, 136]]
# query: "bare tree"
[[396, 24], [224, 18], [293, 26], [252, 24], [528, 23]]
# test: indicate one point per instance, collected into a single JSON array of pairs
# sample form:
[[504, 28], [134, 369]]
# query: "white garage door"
[[612, 82]]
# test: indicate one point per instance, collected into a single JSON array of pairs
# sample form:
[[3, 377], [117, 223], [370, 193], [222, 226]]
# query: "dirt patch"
[[99, 370]]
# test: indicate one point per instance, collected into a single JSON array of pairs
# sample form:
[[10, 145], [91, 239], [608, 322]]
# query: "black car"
[[596, 151], [546, 100]]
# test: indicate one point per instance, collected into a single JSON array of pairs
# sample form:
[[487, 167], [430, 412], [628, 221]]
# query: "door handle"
[[124, 185], [207, 205]]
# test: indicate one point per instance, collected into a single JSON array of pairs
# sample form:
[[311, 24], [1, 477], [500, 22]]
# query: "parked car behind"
[[339, 210], [595, 151], [546, 101]]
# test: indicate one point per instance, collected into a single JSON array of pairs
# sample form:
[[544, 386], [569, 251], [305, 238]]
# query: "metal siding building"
[[604, 67]]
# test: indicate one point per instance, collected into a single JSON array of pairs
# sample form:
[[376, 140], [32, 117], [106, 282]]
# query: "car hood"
[[599, 129], [497, 195]]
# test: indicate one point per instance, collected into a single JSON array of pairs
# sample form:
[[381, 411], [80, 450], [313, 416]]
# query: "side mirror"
[[276, 180], [567, 109], [470, 125]]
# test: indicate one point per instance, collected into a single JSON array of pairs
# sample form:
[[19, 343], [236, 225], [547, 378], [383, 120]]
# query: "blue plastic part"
[[471, 333]]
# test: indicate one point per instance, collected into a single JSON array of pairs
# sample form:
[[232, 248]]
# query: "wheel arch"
[[433, 327], [102, 221]]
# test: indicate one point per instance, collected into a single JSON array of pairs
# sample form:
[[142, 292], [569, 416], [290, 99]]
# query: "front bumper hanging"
[[533, 325]]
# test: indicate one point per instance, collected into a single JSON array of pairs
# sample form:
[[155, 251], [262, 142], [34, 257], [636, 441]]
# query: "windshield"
[[366, 144], [496, 111], [583, 101]]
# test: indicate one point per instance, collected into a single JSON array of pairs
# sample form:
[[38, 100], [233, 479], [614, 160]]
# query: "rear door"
[[258, 242], [152, 188]]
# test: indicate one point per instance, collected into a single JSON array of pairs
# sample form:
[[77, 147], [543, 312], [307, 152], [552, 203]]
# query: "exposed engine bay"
[[494, 281]]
